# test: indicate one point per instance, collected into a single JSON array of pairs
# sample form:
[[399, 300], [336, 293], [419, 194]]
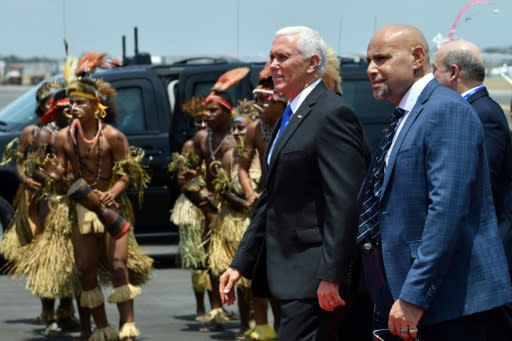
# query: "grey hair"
[[309, 42], [471, 67]]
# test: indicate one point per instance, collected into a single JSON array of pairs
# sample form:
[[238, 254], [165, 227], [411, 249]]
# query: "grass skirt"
[[48, 262], [140, 265], [190, 222], [10, 246], [227, 230], [19, 232]]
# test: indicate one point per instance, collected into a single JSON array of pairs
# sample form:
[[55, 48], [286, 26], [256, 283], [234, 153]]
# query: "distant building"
[[28, 73]]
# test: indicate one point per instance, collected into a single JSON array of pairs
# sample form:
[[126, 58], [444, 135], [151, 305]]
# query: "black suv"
[[149, 101]]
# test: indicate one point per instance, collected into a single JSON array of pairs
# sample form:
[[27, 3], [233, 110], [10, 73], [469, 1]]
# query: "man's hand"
[[32, 184], [252, 199], [107, 198], [236, 202], [227, 284], [328, 294], [186, 174], [403, 320]]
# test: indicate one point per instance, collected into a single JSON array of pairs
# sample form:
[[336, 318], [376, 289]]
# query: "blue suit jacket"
[[440, 244]]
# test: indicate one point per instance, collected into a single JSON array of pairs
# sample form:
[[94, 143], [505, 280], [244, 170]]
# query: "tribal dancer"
[[33, 203], [188, 217], [99, 156], [211, 145], [229, 226]]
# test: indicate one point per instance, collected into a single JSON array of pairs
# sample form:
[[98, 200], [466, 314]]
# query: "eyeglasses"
[[385, 335]]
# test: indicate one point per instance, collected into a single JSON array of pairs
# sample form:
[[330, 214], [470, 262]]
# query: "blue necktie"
[[285, 118], [284, 122], [368, 223]]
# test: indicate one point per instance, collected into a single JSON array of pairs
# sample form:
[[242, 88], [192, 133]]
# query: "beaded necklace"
[[82, 167]]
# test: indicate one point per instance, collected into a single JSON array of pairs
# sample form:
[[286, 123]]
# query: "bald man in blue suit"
[[440, 253]]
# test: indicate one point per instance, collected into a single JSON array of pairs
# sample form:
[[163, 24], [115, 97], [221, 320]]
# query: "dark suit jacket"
[[499, 153], [307, 215], [440, 243]]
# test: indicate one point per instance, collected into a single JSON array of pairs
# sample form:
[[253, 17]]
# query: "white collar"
[[411, 96], [297, 101]]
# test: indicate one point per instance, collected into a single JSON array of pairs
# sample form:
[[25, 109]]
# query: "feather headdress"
[[246, 108], [331, 76], [195, 106], [89, 62], [224, 82], [69, 68], [82, 84], [230, 78]]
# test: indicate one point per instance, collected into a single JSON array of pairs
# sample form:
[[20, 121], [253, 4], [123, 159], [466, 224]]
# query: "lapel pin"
[[299, 116]]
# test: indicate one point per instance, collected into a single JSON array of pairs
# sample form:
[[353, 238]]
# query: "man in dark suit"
[[459, 65], [306, 218], [433, 230]]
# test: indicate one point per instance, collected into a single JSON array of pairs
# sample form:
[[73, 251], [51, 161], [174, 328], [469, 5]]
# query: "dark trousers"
[[304, 320], [467, 328], [357, 325], [500, 323]]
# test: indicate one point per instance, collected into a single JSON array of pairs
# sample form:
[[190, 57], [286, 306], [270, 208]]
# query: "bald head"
[[459, 65], [397, 57], [405, 37], [464, 46]]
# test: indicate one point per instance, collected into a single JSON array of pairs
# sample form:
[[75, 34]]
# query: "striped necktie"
[[368, 233]]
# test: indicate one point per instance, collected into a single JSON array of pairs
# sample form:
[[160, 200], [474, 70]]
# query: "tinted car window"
[[129, 103], [374, 115], [359, 93], [202, 88]]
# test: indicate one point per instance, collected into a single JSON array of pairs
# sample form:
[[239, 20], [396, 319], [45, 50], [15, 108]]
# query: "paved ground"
[[9, 93], [164, 311]]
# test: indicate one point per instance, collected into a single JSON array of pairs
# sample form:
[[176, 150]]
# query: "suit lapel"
[[274, 133], [411, 118], [295, 121]]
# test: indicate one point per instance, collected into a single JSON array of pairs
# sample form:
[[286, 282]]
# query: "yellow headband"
[[82, 94], [102, 108]]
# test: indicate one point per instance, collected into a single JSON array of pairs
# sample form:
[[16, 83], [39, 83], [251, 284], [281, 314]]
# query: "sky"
[[237, 28]]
